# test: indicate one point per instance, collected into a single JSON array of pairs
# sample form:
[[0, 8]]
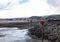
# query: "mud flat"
[[16, 24]]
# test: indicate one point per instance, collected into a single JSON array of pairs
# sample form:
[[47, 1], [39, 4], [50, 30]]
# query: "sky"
[[27, 8]]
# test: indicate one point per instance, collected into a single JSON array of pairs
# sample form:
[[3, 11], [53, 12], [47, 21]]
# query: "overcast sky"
[[25, 8]]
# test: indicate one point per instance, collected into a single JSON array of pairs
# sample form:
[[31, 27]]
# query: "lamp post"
[[42, 23], [29, 21]]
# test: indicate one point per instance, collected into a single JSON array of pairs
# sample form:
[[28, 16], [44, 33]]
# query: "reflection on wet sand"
[[13, 35]]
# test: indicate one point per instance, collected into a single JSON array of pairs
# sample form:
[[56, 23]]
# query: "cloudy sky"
[[26, 8]]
